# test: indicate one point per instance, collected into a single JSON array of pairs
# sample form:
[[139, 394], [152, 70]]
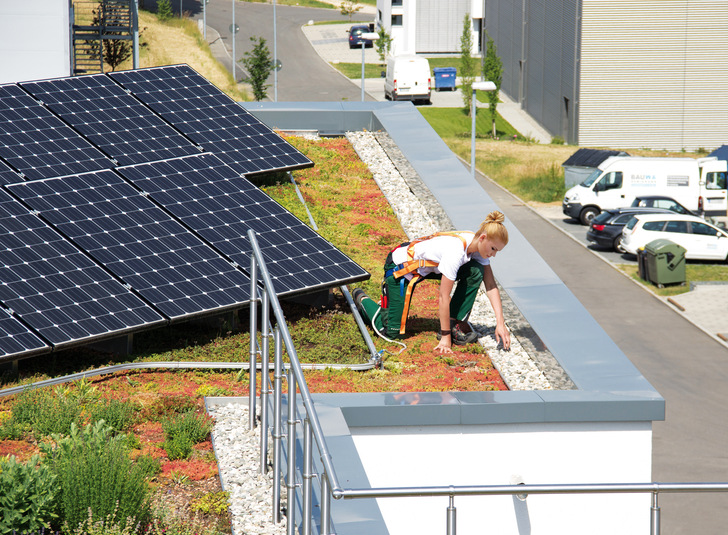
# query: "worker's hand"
[[502, 335], [445, 345]]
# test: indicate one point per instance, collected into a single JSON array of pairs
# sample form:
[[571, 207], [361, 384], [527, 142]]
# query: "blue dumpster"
[[445, 78]]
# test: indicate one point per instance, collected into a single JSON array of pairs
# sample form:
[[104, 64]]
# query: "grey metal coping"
[[609, 386]]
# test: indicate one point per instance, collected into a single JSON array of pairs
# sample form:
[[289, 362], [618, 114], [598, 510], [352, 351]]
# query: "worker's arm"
[[491, 290], [443, 303]]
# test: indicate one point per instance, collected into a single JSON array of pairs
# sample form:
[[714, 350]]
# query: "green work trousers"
[[387, 319]]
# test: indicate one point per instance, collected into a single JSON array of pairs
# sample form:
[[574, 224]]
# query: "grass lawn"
[[695, 271]]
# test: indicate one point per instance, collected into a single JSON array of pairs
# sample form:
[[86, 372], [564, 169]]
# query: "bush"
[[119, 415], [183, 431], [26, 495], [47, 412], [94, 472], [164, 10]]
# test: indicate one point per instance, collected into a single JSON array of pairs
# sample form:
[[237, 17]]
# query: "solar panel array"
[[124, 206]]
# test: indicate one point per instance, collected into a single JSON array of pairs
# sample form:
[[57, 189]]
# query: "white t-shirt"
[[447, 251]]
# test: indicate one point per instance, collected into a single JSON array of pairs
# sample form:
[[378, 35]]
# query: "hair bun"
[[495, 217]]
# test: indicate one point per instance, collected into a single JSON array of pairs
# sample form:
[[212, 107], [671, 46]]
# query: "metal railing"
[[313, 434]]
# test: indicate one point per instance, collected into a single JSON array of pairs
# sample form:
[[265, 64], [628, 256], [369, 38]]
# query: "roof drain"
[[376, 357]]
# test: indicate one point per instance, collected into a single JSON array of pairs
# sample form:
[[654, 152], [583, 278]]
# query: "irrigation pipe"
[[171, 365]]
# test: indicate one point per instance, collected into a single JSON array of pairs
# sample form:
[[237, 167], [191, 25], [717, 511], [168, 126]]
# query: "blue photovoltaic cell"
[[7, 175], [209, 197], [57, 290], [39, 144], [16, 339], [139, 242], [212, 119], [111, 118]]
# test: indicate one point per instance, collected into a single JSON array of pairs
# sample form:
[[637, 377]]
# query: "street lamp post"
[[477, 86], [366, 36]]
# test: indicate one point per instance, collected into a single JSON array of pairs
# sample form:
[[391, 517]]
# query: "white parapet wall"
[[501, 454]]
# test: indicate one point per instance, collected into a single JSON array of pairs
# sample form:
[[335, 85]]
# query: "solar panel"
[[213, 120], [7, 175], [139, 242], [57, 290], [209, 198], [111, 118], [17, 339], [39, 144]]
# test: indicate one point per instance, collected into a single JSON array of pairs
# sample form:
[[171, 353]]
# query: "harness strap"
[[411, 266]]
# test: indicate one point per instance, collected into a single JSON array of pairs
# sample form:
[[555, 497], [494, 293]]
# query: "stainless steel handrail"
[[330, 486]]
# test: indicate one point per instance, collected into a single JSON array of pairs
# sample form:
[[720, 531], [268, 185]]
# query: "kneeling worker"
[[461, 256]]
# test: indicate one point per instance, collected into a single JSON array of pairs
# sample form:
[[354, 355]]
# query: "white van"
[[698, 184], [408, 78]]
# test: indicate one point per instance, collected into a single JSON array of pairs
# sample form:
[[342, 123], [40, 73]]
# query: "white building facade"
[[429, 26]]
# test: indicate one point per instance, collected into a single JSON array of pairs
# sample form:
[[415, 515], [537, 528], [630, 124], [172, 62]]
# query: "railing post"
[[253, 339], [654, 515], [325, 505], [307, 476], [264, 380], [291, 472], [451, 517], [277, 433]]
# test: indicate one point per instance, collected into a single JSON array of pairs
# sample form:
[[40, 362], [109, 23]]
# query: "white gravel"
[[237, 448]]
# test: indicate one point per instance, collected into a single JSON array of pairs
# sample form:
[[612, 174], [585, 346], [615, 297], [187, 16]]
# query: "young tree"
[[164, 10], [493, 72], [467, 64], [348, 7], [384, 43], [259, 63]]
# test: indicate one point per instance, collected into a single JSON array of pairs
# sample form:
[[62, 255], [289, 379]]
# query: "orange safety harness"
[[411, 265]]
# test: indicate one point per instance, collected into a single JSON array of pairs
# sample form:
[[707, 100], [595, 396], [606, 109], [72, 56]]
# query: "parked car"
[[701, 240], [355, 39], [605, 229], [661, 201]]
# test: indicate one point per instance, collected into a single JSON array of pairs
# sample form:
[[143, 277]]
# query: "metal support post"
[[451, 517], [654, 516], [264, 382], [253, 339], [291, 472], [135, 34], [307, 476], [325, 505], [277, 431]]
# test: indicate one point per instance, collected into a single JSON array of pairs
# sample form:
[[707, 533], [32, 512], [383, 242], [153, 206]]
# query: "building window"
[[396, 3], [396, 20]]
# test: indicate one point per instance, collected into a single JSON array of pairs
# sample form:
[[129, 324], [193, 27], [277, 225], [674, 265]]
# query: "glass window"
[[631, 223], [621, 220], [680, 227], [703, 229], [588, 181], [396, 2], [611, 180], [716, 180], [396, 20], [655, 226]]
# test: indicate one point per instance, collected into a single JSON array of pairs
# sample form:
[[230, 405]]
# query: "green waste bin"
[[664, 262]]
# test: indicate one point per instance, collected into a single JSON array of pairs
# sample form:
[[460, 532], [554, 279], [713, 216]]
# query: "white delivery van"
[[408, 78], [698, 184]]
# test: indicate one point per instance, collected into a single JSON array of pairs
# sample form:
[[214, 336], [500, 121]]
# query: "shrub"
[[108, 525], [119, 415], [190, 424], [26, 495], [94, 472], [47, 412]]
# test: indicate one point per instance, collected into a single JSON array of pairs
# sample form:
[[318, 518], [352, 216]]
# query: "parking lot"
[[577, 231]]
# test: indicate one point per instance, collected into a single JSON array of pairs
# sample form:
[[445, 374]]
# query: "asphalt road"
[[684, 364], [304, 76]]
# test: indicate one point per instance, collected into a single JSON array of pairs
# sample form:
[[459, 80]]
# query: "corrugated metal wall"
[[654, 74], [439, 25], [535, 40]]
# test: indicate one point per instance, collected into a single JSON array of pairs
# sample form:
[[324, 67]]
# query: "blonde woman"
[[461, 257]]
